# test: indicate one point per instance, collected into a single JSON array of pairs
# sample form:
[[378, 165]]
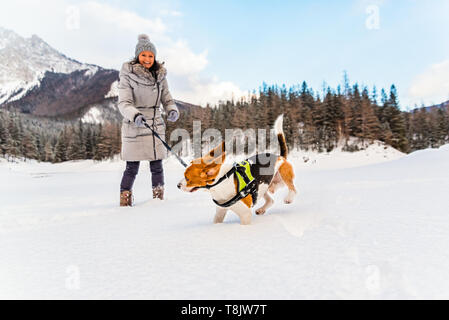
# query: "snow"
[[113, 92], [20, 89], [91, 71], [375, 152], [94, 115], [364, 231], [8, 89]]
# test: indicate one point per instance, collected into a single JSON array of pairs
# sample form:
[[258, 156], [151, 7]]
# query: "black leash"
[[251, 188], [227, 175], [165, 144]]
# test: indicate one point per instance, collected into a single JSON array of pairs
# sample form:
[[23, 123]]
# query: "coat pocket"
[[129, 130], [158, 124]]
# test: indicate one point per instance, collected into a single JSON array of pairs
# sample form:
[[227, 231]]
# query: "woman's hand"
[[173, 115], [139, 120]]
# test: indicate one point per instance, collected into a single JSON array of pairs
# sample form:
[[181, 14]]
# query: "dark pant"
[[132, 168]]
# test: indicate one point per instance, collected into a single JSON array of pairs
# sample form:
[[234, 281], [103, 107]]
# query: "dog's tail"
[[281, 137]]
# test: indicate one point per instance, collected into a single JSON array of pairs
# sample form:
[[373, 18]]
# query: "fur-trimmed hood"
[[141, 74]]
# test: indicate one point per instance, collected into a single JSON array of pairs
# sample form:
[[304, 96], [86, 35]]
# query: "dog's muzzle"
[[182, 185]]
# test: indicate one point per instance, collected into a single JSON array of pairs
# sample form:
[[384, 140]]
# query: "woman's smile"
[[146, 58]]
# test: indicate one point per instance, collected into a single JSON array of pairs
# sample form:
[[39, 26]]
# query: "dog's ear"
[[220, 158], [212, 170]]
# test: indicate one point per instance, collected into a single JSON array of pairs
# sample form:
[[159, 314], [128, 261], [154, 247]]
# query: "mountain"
[[37, 79], [439, 106]]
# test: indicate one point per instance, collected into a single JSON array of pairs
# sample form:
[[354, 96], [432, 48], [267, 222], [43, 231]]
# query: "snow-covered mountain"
[[36, 78], [439, 106], [48, 83]]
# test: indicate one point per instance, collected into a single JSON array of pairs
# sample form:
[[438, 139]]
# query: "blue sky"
[[214, 47]]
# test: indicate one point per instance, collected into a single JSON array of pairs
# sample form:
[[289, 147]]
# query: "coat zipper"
[[154, 116]]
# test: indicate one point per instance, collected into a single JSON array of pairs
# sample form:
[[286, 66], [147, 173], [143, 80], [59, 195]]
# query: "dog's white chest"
[[226, 189]]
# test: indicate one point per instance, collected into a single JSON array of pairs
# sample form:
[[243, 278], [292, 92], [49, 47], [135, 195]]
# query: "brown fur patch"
[[287, 174], [282, 145], [248, 201]]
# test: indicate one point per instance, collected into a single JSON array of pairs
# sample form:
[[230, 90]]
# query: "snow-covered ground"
[[363, 226]]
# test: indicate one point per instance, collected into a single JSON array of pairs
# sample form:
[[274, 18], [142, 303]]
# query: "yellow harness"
[[243, 173], [247, 184]]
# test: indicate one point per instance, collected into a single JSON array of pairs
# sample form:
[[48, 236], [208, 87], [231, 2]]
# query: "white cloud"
[[181, 59], [172, 13], [210, 90], [432, 86], [106, 35], [183, 64], [123, 19]]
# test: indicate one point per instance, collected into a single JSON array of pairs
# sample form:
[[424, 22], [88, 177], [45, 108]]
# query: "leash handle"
[[165, 144]]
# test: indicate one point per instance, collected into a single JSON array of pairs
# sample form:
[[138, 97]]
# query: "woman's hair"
[[155, 67]]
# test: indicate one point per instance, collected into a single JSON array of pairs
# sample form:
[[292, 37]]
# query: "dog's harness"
[[246, 183]]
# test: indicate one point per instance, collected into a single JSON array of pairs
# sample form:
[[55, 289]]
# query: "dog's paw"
[[260, 211], [290, 197]]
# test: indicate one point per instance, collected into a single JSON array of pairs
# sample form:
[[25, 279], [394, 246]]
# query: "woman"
[[142, 88]]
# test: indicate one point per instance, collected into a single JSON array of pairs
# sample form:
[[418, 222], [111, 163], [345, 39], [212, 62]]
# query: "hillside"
[[47, 83]]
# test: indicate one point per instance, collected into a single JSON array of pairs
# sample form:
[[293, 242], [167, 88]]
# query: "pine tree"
[[370, 123], [40, 147], [89, 143], [5, 139], [29, 146], [76, 143], [61, 147], [103, 149], [397, 122], [48, 152], [357, 116], [15, 135]]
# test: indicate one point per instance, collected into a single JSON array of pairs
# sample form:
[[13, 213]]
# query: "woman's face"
[[146, 58]]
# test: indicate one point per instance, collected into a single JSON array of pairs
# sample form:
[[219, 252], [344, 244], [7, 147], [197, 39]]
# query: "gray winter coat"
[[139, 92]]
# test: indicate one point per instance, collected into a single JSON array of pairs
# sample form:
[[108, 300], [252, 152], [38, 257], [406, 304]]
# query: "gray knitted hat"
[[144, 44]]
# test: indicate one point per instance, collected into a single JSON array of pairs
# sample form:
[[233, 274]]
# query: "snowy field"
[[372, 224]]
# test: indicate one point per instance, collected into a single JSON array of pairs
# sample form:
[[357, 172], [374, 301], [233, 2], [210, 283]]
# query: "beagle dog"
[[268, 172]]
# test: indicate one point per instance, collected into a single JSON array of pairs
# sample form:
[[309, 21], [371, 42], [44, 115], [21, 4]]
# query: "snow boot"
[[158, 192], [126, 199]]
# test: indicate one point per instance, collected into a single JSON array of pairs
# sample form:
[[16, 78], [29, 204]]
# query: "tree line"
[[22, 136], [321, 120], [312, 121]]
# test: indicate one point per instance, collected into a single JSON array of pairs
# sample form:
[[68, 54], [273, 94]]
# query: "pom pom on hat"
[[143, 37]]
